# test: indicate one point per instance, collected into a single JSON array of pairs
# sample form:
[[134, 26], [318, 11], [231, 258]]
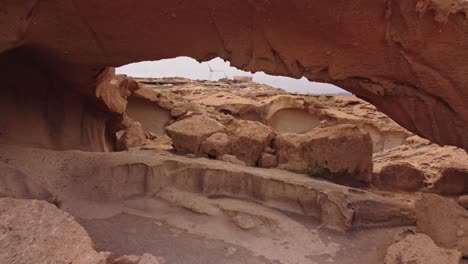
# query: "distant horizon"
[[189, 68]]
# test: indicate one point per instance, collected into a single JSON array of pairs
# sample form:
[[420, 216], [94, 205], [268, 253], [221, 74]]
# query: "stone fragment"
[[113, 90], [166, 104], [444, 221], [178, 111], [453, 180], [420, 249], [245, 222], [267, 161], [269, 150], [400, 176], [133, 137], [216, 145], [345, 151], [187, 135], [463, 201], [33, 231], [249, 139]]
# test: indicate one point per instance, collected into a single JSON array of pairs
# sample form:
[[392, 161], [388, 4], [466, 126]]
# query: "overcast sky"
[[190, 68]]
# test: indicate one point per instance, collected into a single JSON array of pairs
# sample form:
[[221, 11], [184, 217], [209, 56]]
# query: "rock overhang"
[[407, 58]]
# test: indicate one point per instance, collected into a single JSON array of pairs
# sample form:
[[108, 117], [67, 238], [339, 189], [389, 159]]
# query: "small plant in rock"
[[380, 123], [315, 171], [322, 98]]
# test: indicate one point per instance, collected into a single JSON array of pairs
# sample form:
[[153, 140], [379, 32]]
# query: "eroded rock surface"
[[420, 249], [444, 221], [414, 77], [37, 232], [107, 180], [444, 168], [188, 135], [344, 150]]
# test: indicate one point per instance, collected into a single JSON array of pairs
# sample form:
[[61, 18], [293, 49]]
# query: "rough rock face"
[[113, 90], [420, 249], [133, 136], [444, 221], [249, 139], [33, 231], [81, 179], [453, 180], [187, 135], [216, 145], [344, 150], [37, 232], [151, 109], [400, 177], [444, 168], [414, 77]]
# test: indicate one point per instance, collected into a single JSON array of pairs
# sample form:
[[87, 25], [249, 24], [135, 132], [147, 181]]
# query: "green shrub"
[[315, 171]]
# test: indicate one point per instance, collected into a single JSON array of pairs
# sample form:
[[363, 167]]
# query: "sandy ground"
[[129, 234]]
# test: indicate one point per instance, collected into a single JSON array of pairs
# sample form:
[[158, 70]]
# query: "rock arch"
[[409, 58]]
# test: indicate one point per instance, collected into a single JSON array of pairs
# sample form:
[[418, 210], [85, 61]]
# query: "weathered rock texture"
[[343, 150], [33, 231], [418, 164], [407, 57], [188, 135], [100, 184], [444, 221], [37, 232], [420, 249]]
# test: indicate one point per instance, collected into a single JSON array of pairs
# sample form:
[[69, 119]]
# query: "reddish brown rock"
[[216, 145], [400, 177], [453, 180], [132, 137], [249, 139], [267, 161], [420, 249], [344, 150], [113, 90], [444, 221], [178, 111], [187, 135], [37, 232], [463, 201]]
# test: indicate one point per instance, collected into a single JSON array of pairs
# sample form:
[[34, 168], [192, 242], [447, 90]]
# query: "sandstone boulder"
[[420, 249], [132, 137], [463, 201], [267, 161], [249, 139], [34, 231], [166, 104], [444, 221], [187, 135], [344, 151], [216, 145], [245, 222], [113, 90], [400, 177], [178, 111], [453, 180]]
